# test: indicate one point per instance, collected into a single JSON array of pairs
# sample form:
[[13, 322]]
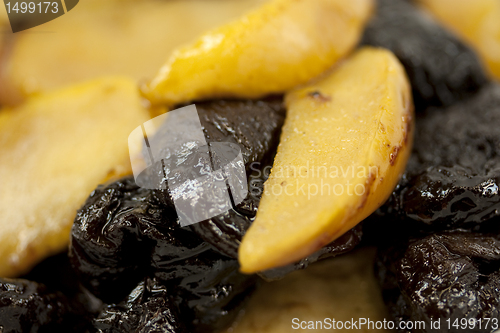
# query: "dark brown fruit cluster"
[[453, 277], [27, 306], [453, 176], [447, 208], [149, 308], [129, 250]]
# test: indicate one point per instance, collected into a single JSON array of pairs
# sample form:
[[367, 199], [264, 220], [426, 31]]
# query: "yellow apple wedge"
[[270, 50], [478, 22], [54, 150], [344, 145], [107, 37]]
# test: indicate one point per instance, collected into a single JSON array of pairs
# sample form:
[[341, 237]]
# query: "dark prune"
[[451, 276], [124, 234], [27, 306], [252, 124], [225, 231], [148, 308], [121, 225], [210, 300], [441, 69], [344, 244], [56, 273], [453, 176], [110, 239]]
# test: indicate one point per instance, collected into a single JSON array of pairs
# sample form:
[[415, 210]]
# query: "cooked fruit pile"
[[359, 123]]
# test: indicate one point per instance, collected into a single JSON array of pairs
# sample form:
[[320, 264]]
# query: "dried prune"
[[121, 225], [108, 249], [26, 306], [124, 234], [148, 308], [57, 274], [252, 124], [213, 298], [458, 278], [225, 231], [453, 176], [441, 68]]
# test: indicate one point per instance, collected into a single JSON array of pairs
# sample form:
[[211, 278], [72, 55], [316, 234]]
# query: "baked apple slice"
[[110, 37], [273, 49], [54, 150], [344, 145]]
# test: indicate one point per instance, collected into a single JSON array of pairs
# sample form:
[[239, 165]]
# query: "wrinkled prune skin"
[[225, 231], [114, 235], [27, 306], [442, 70], [214, 305], [57, 274], [448, 275], [254, 125], [121, 225], [124, 234], [148, 308], [453, 176]]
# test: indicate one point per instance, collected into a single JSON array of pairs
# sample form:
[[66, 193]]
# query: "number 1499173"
[[32, 7]]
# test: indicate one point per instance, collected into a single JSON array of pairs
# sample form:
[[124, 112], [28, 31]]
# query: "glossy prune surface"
[[123, 230], [125, 234], [114, 234], [27, 306], [254, 125], [448, 276], [441, 68], [444, 217], [453, 176], [148, 308]]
